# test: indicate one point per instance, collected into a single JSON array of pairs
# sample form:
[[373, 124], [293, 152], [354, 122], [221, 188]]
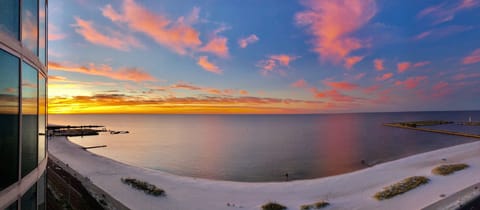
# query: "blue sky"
[[132, 56]]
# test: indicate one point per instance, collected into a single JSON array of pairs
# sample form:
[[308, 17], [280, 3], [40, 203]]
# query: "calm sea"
[[263, 147]]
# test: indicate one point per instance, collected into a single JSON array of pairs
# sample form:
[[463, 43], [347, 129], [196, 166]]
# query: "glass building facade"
[[23, 103]]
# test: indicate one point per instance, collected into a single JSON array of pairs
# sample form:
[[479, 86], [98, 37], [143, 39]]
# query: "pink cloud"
[[244, 42], [474, 57], [403, 66], [440, 85], [359, 76], [207, 65], [114, 39], [446, 11], [411, 82], [341, 85], [422, 35], [443, 32], [385, 77], [126, 74], [441, 89], [54, 33], [421, 63], [301, 83], [177, 35], [378, 63], [463, 76], [332, 22], [351, 61]]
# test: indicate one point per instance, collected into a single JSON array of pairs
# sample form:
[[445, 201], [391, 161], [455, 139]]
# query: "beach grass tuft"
[[273, 206], [317, 205], [144, 186], [401, 187], [449, 169]]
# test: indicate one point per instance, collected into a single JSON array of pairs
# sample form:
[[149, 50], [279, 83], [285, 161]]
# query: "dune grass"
[[144, 186], [317, 205], [401, 187], [273, 206], [449, 169]]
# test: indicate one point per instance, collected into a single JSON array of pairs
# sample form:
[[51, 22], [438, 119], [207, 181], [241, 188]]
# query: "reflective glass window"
[[10, 18], [29, 119], [29, 199], [30, 25], [42, 20], [42, 182], [42, 111], [9, 111]]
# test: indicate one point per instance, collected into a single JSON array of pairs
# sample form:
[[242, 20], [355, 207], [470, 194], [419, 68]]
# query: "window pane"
[[9, 91], [29, 199], [30, 25], [42, 110], [41, 30], [29, 119], [41, 192], [9, 23]]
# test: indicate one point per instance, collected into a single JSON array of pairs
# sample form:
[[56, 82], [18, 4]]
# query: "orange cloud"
[[244, 42], [385, 76], [403, 66], [176, 35], [273, 61], [378, 63], [217, 46], [52, 78], [301, 83], [474, 57], [446, 11], [333, 95], [121, 103], [411, 82], [125, 74], [208, 66], [351, 61], [114, 40], [422, 63], [332, 22], [243, 92], [341, 85], [209, 90]]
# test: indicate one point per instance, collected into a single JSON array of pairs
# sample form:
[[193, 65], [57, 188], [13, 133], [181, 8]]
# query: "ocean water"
[[263, 147]]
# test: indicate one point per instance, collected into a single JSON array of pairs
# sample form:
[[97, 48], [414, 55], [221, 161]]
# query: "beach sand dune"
[[353, 190]]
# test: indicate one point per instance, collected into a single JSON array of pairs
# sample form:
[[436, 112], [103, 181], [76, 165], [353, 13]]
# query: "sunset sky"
[[269, 56]]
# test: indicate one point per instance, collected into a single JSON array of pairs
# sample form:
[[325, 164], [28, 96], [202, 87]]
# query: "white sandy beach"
[[348, 191]]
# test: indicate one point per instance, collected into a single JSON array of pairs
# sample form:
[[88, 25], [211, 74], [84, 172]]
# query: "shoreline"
[[352, 190]]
